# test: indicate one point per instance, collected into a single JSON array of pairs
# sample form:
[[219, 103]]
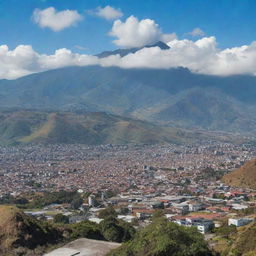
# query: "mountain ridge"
[[124, 52], [174, 97], [91, 128]]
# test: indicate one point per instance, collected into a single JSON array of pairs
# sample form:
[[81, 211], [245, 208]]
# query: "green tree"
[[226, 231], [76, 203], [108, 212], [163, 238], [116, 230], [60, 218], [86, 229]]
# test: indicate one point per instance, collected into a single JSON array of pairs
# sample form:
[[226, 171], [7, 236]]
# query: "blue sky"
[[232, 22], [214, 37]]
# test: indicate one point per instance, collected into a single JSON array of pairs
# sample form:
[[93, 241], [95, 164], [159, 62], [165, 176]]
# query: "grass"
[[43, 131]]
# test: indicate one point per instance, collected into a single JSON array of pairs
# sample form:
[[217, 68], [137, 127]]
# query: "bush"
[[60, 218], [226, 231], [163, 238], [107, 213], [86, 229], [116, 230]]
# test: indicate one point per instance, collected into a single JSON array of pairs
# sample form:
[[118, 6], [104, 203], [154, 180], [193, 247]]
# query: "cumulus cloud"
[[108, 12], [200, 56], [196, 32], [57, 21], [23, 60], [135, 33]]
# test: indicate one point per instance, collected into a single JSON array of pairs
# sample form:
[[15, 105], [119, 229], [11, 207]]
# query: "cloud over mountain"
[[201, 56], [137, 33], [55, 20]]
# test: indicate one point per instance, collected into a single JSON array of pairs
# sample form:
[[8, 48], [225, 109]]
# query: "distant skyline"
[[38, 35]]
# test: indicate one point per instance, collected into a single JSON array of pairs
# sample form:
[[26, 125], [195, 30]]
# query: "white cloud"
[[196, 32], [135, 33], [108, 12], [80, 47], [55, 20], [201, 56], [23, 60]]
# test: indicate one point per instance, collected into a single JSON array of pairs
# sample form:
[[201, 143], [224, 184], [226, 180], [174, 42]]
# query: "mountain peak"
[[159, 44], [124, 52]]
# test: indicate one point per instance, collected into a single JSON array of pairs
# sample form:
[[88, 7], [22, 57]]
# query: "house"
[[181, 208], [202, 225], [77, 218], [238, 222], [195, 206]]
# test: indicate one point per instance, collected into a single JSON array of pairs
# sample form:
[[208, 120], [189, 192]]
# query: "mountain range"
[[171, 97]]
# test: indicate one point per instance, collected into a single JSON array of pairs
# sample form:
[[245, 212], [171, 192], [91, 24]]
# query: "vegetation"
[[20, 232], [173, 96], [163, 238], [226, 231], [232, 241], [86, 128], [60, 218], [86, 229], [60, 197], [107, 213], [116, 230]]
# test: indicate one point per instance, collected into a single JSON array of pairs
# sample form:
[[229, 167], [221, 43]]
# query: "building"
[[194, 206], [238, 222]]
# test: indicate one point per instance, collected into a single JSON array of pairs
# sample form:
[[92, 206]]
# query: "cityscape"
[[127, 128]]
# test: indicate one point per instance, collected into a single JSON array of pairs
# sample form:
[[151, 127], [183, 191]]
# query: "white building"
[[238, 222], [194, 207]]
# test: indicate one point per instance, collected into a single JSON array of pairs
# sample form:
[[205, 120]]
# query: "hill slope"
[[86, 128], [245, 242], [174, 96], [18, 230], [243, 177]]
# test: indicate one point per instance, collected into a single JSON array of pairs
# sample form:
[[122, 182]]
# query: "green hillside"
[[174, 97], [21, 127]]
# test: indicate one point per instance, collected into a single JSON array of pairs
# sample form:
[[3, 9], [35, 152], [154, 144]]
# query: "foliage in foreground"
[[163, 238], [110, 229]]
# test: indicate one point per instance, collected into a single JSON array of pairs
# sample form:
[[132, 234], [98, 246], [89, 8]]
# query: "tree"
[[116, 230], [76, 203], [60, 218], [226, 231], [108, 212], [163, 238], [86, 229]]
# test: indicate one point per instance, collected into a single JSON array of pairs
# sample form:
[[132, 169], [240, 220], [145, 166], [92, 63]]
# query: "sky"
[[206, 36]]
